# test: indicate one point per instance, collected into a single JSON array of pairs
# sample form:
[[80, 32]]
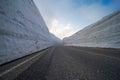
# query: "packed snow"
[[22, 30], [104, 33]]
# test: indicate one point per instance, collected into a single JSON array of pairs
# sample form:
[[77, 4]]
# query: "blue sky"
[[65, 17]]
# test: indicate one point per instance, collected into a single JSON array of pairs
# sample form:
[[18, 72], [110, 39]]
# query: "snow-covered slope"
[[104, 33], [22, 30]]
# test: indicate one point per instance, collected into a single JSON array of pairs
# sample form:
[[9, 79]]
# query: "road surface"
[[75, 63]]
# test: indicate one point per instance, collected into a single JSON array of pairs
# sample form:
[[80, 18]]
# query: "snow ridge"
[[22, 30], [103, 33]]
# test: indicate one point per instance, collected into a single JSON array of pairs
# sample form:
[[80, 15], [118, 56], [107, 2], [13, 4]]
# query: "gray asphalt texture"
[[75, 63]]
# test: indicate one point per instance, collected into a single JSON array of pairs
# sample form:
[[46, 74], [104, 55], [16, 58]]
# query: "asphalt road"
[[75, 63]]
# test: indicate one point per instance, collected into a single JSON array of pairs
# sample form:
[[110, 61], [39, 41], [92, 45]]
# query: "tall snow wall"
[[22, 30], [103, 33]]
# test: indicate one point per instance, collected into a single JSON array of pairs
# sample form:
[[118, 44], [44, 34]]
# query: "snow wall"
[[104, 33], [22, 30]]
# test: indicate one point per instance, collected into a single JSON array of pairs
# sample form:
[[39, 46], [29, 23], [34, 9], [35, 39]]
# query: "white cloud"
[[60, 29]]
